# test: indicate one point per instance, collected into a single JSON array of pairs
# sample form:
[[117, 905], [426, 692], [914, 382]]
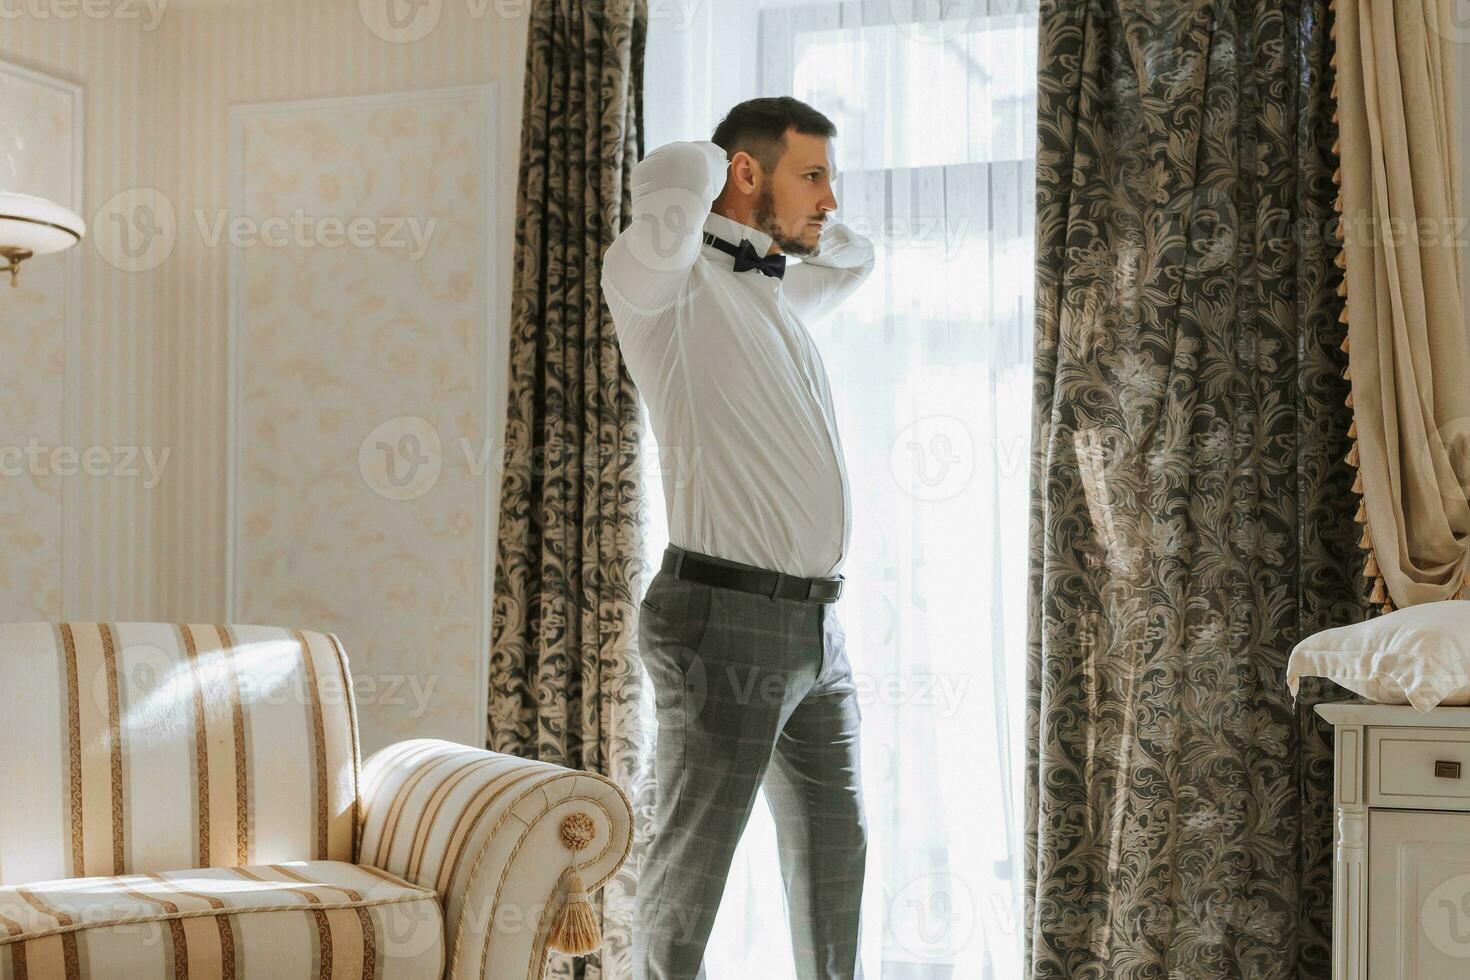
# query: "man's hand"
[[818, 284], [839, 247]]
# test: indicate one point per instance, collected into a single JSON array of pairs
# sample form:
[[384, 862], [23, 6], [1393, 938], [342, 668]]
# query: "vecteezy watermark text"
[[330, 231], [149, 12], [119, 461]]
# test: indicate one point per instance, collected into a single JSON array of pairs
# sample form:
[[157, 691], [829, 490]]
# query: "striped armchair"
[[189, 801]]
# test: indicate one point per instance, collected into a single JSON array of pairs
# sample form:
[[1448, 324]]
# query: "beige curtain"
[[1409, 360]]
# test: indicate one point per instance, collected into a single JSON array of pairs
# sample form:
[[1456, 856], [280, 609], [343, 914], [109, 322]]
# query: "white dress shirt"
[[750, 456]]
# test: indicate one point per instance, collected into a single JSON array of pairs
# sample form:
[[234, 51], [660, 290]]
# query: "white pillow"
[[1419, 656]]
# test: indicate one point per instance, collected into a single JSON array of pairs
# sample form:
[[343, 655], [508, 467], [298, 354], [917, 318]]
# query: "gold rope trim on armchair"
[[543, 931]]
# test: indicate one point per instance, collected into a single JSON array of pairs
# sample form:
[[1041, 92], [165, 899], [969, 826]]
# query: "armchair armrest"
[[483, 830]]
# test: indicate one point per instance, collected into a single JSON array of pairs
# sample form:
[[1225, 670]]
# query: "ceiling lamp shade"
[[32, 226]]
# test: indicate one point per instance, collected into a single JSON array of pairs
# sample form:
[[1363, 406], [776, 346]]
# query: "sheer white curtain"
[[930, 364]]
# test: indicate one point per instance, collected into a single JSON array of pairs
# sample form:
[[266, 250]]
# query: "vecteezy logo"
[[402, 458], [1445, 916], [135, 230], [1452, 21], [933, 458], [146, 686], [669, 225], [932, 21], [932, 916], [400, 21]]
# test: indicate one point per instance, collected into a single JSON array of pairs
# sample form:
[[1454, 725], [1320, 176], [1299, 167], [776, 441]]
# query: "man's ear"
[[745, 172]]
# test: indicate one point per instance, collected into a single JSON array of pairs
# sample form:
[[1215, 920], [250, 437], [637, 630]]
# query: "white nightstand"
[[1401, 877]]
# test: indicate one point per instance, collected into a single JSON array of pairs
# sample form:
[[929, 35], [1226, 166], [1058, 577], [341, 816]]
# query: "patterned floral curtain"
[[564, 686], [1192, 514]]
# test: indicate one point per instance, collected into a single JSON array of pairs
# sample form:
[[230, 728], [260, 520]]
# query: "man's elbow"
[[612, 261], [685, 164]]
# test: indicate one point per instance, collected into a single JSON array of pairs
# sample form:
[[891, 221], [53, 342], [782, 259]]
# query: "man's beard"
[[764, 216]]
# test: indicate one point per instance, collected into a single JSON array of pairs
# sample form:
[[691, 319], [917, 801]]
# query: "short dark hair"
[[758, 126]]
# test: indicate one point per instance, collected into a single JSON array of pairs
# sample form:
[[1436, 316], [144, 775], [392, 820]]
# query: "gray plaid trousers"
[[749, 690]]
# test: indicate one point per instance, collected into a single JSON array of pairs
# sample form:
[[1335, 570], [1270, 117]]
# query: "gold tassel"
[[1347, 373], [1343, 318], [1366, 541], [1334, 89], [1380, 594], [1358, 483], [1352, 456], [1353, 429], [1370, 566], [1340, 259], [1348, 401], [1342, 287], [1362, 515], [1344, 346], [1334, 116], [1337, 143], [575, 929], [1337, 202]]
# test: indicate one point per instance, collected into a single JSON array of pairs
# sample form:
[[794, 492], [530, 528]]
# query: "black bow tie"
[[746, 257]]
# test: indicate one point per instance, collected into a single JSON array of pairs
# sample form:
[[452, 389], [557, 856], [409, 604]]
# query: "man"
[[737, 629]]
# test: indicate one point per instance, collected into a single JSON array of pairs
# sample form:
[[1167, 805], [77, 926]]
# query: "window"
[[930, 365]]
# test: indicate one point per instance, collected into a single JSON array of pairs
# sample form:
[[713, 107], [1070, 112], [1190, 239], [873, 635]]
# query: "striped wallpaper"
[[158, 87], [217, 54], [109, 567]]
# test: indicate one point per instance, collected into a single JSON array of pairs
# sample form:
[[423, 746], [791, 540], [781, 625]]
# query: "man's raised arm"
[[673, 189], [819, 283]]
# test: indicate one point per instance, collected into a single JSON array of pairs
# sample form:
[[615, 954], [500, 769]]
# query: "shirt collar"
[[733, 231]]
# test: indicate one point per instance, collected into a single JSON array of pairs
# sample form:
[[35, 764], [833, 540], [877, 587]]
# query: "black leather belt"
[[695, 567]]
